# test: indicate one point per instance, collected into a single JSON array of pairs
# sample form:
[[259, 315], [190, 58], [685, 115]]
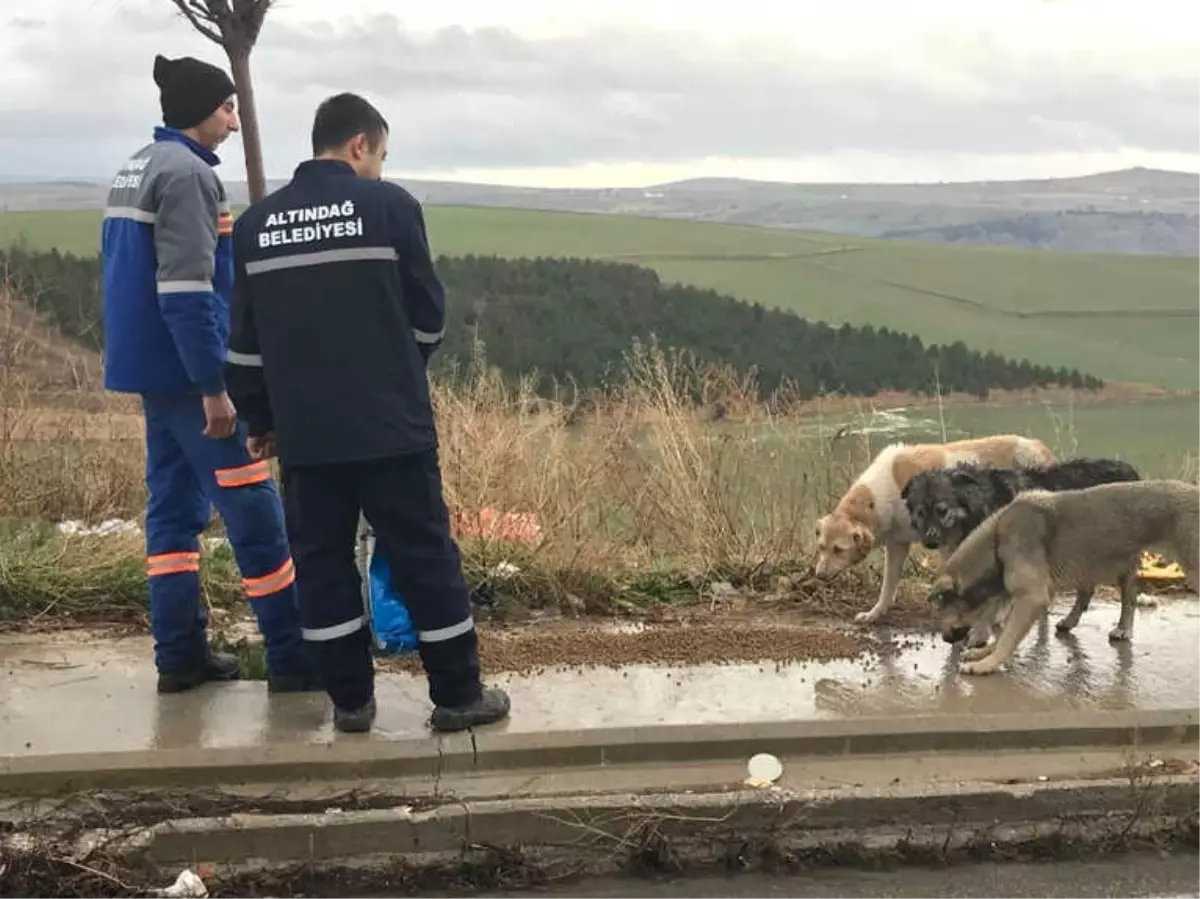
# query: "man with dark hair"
[[165, 247], [337, 309], [339, 119]]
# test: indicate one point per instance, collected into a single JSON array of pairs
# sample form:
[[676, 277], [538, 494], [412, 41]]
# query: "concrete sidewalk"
[[885, 761], [62, 691], [77, 711]]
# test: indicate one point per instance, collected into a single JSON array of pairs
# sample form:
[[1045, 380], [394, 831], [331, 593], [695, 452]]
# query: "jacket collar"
[[324, 168], [162, 133]]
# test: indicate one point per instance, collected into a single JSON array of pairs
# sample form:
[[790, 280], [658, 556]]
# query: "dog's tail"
[[1078, 474]]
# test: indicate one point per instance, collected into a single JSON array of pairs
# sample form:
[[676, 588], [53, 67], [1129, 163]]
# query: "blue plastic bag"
[[391, 626]]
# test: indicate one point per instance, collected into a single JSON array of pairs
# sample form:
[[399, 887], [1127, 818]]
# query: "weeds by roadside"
[[672, 477], [630, 496], [48, 578], [93, 844]]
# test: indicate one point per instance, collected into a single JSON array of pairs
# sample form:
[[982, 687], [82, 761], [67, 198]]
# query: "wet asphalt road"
[[1140, 875]]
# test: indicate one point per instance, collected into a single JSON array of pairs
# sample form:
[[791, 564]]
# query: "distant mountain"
[[1136, 181], [1073, 231], [1123, 186], [1135, 210]]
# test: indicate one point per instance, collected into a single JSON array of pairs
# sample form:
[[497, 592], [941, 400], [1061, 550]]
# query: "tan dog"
[[872, 512]]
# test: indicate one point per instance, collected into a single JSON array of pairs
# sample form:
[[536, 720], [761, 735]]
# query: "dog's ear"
[[862, 538], [905, 491], [1000, 486], [961, 477]]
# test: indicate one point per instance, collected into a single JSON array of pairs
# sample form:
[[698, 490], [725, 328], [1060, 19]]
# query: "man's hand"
[[219, 416], [261, 447]]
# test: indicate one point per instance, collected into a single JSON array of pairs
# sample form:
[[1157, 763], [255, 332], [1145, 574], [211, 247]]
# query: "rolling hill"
[[1136, 210], [1123, 318], [567, 324]]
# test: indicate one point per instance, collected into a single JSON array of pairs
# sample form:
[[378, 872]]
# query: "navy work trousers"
[[401, 498], [186, 475]]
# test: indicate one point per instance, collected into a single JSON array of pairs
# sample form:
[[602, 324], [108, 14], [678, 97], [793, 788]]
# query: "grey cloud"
[[490, 98]]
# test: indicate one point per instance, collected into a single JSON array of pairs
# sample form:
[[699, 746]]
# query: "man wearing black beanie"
[[168, 274], [192, 92]]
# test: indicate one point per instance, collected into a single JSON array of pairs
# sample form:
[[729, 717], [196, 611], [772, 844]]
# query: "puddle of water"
[[71, 696], [1079, 671]]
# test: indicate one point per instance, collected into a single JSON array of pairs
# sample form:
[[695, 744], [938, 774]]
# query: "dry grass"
[[635, 491], [66, 448], [673, 476], [644, 476]]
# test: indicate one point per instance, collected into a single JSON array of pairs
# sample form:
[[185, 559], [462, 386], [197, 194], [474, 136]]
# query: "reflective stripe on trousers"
[[172, 563], [346, 628]]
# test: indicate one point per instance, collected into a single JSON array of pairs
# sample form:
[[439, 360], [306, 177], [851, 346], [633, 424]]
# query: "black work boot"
[[304, 682], [219, 666], [491, 706], [355, 721]]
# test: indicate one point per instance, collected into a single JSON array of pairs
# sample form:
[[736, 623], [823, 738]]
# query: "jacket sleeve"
[[185, 241], [244, 364], [424, 296]]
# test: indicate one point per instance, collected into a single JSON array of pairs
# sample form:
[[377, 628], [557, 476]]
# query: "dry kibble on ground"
[[527, 650]]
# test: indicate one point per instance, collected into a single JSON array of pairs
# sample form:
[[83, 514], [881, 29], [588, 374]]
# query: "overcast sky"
[[635, 92]]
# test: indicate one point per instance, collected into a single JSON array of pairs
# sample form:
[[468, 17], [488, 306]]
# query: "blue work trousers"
[[186, 475]]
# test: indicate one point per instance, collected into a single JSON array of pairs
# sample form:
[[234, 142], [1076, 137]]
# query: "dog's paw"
[[1065, 625], [866, 617], [975, 653], [977, 668], [1119, 635]]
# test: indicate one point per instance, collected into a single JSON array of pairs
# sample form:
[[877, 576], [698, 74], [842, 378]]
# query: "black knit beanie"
[[190, 90]]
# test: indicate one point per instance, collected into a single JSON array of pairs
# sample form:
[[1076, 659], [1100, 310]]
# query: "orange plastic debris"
[[492, 524]]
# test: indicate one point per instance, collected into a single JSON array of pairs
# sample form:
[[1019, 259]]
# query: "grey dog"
[[1044, 541]]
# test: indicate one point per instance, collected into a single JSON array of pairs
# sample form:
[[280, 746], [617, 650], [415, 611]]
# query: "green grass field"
[[1129, 318]]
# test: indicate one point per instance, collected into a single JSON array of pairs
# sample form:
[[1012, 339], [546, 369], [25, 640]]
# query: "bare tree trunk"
[[256, 179]]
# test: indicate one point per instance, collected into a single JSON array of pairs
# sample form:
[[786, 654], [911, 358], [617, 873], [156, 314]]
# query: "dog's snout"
[[955, 634]]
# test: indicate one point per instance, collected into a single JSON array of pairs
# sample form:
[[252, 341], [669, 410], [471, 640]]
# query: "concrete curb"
[[494, 750], [620, 823]]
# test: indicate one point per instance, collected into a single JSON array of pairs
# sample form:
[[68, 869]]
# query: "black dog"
[[946, 504]]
